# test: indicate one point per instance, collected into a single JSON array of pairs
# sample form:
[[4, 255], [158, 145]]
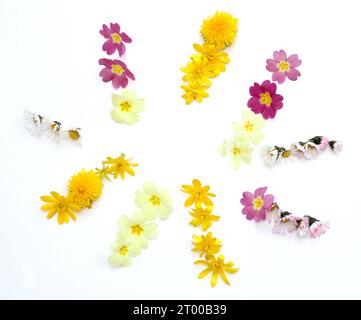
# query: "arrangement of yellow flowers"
[[134, 233], [206, 245], [84, 188], [218, 32]]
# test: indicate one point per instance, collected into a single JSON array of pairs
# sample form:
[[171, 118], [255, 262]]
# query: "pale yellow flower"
[[251, 126], [122, 252], [237, 150], [127, 107]]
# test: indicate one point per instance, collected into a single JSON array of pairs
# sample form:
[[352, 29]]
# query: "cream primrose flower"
[[237, 150], [251, 126], [137, 229], [123, 250], [153, 202], [127, 107]]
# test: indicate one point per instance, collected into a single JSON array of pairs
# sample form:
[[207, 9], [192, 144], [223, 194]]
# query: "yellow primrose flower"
[[215, 56], [63, 206], [137, 229], [154, 202], [251, 126], [220, 29], [202, 217], [197, 194], [123, 250], [206, 245], [237, 150], [119, 166], [198, 70], [85, 187], [217, 267], [127, 107], [194, 91], [103, 172]]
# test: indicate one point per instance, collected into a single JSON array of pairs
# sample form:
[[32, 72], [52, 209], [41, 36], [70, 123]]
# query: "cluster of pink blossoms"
[[264, 99], [260, 206], [115, 70]]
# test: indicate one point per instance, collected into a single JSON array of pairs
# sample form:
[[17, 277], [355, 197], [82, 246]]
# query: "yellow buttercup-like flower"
[[103, 172], [198, 70], [197, 194], [220, 29], [194, 91], [217, 59], [202, 217], [58, 204], [206, 245], [85, 187], [217, 267], [120, 166]]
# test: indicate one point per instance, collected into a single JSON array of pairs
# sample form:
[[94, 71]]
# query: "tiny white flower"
[[297, 149], [311, 150], [137, 229], [270, 155], [336, 146], [303, 228], [53, 130], [153, 202], [286, 224], [318, 228], [123, 251], [251, 126], [33, 122], [273, 215]]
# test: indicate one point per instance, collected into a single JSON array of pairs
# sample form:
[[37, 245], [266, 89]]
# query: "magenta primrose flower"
[[283, 66], [264, 99], [115, 71], [257, 205], [116, 39]]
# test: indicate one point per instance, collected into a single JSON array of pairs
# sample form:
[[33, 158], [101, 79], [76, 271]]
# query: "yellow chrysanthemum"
[[119, 166], [194, 91], [198, 70], [220, 29], [197, 194], [202, 217], [217, 59], [85, 187], [206, 245], [217, 267], [63, 206]]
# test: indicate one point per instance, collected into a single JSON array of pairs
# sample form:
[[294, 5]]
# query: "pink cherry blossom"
[[286, 224], [282, 66], [257, 205], [264, 99], [115, 71], [318, 228], [115, 39]]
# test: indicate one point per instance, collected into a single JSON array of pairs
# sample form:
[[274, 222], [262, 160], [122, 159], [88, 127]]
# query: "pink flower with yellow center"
[[257, 204], [264, 99], [115, 71], [283, 66], [115, 39]]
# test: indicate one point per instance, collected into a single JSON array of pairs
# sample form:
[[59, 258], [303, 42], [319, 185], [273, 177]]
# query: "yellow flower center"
[[74, 134], [286, 154], [137, 229], [236, 151], [248, 126], [257, 203], [265, 99], [61, 205], [81, 189], [283, 66], [125, 106], [116, 38], [123, 250], [154, 200], [117, 69]]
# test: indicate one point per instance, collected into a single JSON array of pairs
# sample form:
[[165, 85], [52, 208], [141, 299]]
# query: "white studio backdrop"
[[49, 54]]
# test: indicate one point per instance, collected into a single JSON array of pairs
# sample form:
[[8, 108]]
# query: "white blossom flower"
[[33, 122], [286, 224], [311, 150], [336, 146], [297, 149], [318, 228], [303, 228], [270, 155]]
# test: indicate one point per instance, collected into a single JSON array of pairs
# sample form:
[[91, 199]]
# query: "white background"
[[49, 54]]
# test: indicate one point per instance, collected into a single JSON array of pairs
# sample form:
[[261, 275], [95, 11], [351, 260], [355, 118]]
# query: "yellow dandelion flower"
[[119, 166], [220, 29], [197, 194], [217, 59], [198, 70], [202, 217], [206, 245], [85, 187], [194, 91], [63, 206], [103, 172], [217, 267]]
